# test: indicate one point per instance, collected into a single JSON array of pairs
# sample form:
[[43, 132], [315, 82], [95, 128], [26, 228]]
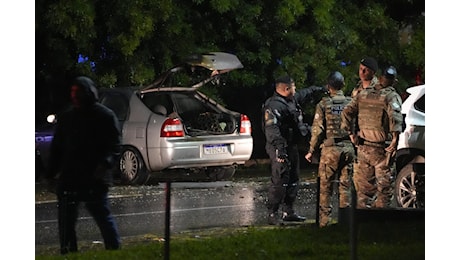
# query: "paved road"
[[141, 210]]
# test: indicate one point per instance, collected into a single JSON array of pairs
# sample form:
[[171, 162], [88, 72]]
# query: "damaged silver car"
[[170, 127]]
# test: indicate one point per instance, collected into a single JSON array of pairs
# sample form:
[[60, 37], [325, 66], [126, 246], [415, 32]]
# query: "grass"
[[375, 240]]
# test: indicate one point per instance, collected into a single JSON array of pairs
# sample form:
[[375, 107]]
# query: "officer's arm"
[[306, 94], [395, 120], [349, 115], [273, 132], [393, 110], [317, 129]]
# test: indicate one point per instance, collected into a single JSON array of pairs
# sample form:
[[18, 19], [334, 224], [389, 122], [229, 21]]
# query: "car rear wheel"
[[221, 173], [132, 167], [406, 185]]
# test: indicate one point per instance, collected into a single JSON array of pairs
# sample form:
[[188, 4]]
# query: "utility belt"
[[361, 141], [336, 141]]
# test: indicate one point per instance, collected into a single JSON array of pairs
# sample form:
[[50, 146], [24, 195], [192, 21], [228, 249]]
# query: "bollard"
[[353, 228], [317, 200], [167, 218]]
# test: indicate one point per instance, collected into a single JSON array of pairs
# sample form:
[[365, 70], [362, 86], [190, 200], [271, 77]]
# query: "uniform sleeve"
[[317, 129], [272, 129], [393, 110], [304, 95], [349, 114]]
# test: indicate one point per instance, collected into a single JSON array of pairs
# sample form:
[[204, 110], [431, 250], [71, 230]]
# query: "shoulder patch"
[[396, 106], [269, 118]]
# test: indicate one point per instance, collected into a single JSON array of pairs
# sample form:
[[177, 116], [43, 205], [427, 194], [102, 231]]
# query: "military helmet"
[[390, 73], [336, 80]]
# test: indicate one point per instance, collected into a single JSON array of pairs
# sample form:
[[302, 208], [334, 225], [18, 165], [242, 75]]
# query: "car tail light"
[[172, 127], [245, 125]]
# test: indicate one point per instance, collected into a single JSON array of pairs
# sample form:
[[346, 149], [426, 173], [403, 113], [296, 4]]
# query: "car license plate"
[[215, 149]]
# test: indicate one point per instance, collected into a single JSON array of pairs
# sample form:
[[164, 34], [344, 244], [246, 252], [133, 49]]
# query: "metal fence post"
[[167, 219]]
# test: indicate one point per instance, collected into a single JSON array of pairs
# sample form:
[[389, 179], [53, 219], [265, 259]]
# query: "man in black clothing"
[[283, 126], [83, 153]]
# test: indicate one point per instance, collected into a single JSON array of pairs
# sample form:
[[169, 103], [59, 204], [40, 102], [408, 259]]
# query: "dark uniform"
[[84, 149], [337, 151], [378, 112], [284, 127]]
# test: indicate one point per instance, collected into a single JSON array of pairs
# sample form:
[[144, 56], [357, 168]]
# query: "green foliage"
[[132, 41]]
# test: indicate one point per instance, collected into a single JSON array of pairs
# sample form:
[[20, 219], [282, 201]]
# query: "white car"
[[171, 129], [410, 155]]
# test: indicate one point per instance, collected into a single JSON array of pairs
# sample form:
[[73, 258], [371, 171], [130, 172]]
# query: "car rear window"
[[420, 104], [118, 103]]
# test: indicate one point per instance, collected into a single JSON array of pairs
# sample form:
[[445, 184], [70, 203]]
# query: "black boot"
[[292, 217]]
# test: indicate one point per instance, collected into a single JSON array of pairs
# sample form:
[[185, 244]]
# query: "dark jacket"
[[86, 144], [283, 119]]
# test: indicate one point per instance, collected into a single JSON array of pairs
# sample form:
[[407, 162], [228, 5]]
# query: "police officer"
[[283, 127], [337, 151], [368, 67], [388, 78], [378, 112]]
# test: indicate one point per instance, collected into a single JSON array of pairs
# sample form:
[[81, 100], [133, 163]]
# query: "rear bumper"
[[192, 154]]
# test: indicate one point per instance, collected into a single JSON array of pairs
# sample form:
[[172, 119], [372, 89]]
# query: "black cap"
[[390, 73], [284, 79], [371, 63]]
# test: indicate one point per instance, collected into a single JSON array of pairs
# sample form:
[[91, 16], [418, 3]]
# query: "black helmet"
[[336, 80], [390, 73]]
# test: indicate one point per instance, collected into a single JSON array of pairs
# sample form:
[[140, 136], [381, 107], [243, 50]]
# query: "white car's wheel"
[[132, 168], [406, 187]]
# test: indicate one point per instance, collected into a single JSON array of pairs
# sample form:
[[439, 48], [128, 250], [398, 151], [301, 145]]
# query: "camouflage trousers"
[[372, 178], [336, 163]]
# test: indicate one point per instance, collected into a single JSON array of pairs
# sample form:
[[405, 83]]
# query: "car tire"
[[132, 167], [406, 187], [221, 173]]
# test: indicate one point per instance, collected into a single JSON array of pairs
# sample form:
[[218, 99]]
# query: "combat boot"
[[292, 217]]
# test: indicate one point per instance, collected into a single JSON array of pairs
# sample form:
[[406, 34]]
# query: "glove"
[[318, 89], [281, 156]]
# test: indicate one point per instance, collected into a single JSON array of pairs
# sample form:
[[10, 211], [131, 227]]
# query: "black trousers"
[[284, 181], [97, 204]]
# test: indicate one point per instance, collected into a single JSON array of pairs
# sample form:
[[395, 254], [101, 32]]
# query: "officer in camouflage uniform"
[[378, 112], [283, 126], [367, 68], [337, 151]]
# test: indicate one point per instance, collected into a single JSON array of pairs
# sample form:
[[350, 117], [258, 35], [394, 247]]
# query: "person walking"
[[83, 153], [368, 68], [337, 151], [283, 127], [378, 114]]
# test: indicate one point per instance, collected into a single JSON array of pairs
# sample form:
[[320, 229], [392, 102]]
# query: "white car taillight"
[[245, 125], [172, 127]]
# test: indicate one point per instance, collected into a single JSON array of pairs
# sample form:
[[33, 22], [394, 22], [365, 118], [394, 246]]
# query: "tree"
[[129, 42]]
